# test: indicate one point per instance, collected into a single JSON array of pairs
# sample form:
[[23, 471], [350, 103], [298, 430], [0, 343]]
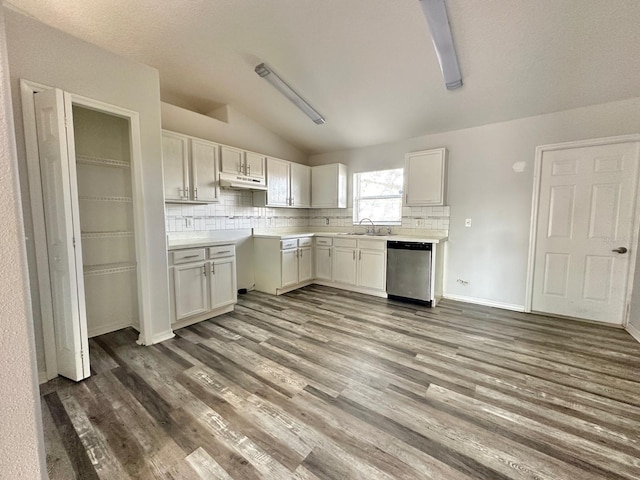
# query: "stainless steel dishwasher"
[[409, 271]]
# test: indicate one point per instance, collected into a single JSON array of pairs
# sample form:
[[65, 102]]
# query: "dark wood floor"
[[325, 384]]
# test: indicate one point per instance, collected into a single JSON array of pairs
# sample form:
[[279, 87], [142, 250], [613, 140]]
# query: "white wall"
[[48, 56], [238, 131], [21, 442], [492, 254]]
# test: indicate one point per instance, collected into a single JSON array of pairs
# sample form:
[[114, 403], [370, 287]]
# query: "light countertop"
[[400, 238]]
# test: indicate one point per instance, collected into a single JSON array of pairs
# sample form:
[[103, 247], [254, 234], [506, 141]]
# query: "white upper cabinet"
[[288, 185], [175, 164], [278, 175], [300, 186], [425, 177], [235, 161], [329, 186], [254, 165], [190, 168], [204, 171]]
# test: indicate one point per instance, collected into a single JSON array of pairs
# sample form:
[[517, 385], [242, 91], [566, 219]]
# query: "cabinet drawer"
[[371, 244], [186, 256], [291, 243], [222, 251], [305, 241], [345, 242], [324, 241]]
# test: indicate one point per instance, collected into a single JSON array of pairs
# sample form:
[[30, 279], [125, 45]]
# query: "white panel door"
[[278, 192], [323, 263], [222, 286], [231, 160], [585, 229], [254, 165], [372, 267], [344, 265], [424, 175], [300, 185], [70, 322], [204, 168], [305, 264], [175, 166], [289, 262], [190, 283]]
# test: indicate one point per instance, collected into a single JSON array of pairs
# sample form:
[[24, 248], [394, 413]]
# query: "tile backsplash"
[[235, 211]]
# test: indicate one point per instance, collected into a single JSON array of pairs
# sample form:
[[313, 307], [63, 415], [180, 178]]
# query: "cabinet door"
[[278, 183], [204, 171], [222, 285], [175, 166], [344, 265], [372, 269], [190, 289], [231, 160], [323, 263], [300, 185], [254, 165], [305, 264], [424, 173], [289, 260], [329, 186]]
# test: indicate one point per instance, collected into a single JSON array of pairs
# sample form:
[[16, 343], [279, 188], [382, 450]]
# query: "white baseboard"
[[633, 331], [482, 301], [111, 327], [157, 338]]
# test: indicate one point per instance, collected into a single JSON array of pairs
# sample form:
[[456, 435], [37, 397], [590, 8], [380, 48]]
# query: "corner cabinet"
[[284, 265], [288, 185], [329, 186], [190, 167], [425, 176], [203, 283]]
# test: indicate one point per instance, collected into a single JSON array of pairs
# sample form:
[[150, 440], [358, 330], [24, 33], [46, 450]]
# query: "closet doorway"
[[86, 231]]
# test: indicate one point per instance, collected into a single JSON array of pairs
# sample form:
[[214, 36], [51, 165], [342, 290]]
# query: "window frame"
[[357, 198]]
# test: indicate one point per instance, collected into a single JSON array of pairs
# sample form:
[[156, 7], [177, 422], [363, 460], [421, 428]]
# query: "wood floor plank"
[[321, 383]]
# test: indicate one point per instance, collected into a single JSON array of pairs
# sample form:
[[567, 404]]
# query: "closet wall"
[[103, 168]]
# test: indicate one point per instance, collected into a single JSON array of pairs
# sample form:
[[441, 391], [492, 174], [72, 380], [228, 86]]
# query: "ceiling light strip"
[[268, 74], [438, 20]]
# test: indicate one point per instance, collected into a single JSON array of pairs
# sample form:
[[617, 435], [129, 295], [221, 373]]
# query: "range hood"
[[229, 180]]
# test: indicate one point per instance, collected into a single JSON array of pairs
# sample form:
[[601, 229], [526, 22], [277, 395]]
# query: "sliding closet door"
[[70, 322]]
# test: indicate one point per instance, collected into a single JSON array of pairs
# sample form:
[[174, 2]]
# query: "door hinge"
[[73, 240]]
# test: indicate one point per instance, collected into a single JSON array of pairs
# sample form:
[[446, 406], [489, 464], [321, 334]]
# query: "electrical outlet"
[[467, 222], [418, 223], [326, 220], [189, 222]]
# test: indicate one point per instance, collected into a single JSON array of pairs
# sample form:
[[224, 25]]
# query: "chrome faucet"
[[371, 230]]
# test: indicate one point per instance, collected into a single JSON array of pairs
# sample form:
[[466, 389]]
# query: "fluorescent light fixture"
[[436, 13], [269, 75]]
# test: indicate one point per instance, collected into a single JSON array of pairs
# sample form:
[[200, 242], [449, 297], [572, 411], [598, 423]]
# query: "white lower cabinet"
[[289, 267], [203, 283], [282, 265], [323, 257], [360, 263], [305, 264]]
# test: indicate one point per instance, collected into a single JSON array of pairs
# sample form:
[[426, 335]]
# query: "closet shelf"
[[107, 162], [108, 268], [106, 199], [106, 234]]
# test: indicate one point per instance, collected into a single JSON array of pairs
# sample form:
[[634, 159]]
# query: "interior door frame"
[[27, 90], [537, 171]]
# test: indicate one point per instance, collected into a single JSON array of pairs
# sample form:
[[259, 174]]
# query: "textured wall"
[[21, 445]]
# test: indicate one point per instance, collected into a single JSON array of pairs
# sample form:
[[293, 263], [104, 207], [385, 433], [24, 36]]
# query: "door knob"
[[620, 250]]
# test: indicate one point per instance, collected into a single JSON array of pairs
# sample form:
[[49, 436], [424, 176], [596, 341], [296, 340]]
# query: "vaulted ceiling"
[[368, 65]]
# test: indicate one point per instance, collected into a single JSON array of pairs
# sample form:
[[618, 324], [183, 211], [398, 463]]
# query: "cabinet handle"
[[247, 168], [406, 198], [204, 270], [301, 253], [360, 255], [191, 256], [213, 269], [186, 192], [224, 251], [195, 193], [292, 201], [354, 254], [329, 253]]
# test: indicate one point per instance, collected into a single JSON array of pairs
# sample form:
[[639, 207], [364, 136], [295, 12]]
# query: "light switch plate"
[[467, 222]]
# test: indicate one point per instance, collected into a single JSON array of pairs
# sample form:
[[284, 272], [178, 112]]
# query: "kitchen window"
[[378, 196]]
